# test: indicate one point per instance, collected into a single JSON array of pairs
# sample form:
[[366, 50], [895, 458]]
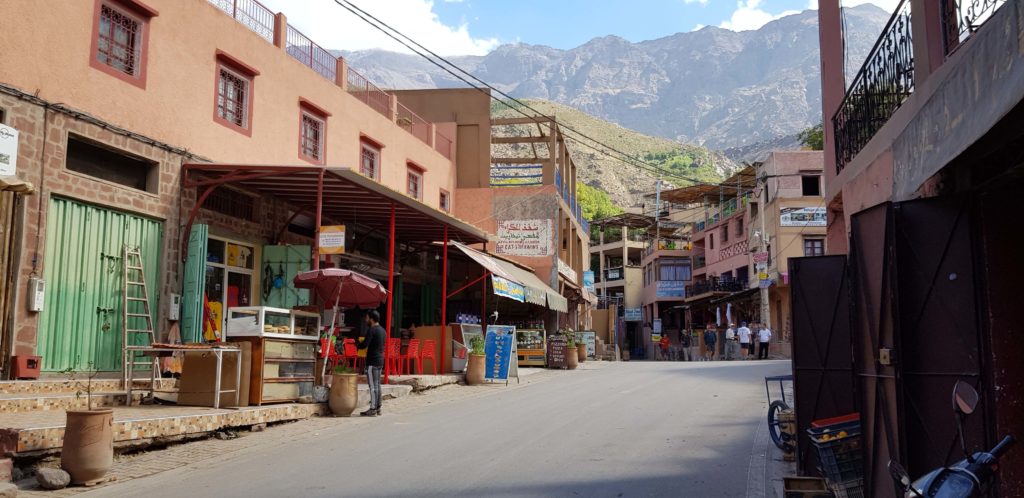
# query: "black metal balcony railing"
[[884, 81], [961, 18], [715, 286]]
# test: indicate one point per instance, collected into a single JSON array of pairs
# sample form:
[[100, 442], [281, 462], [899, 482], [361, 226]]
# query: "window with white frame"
[[369, 161], [312, 137], [414, 182]]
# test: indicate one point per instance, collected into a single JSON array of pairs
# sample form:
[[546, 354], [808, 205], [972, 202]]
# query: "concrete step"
[[63, 385], [21, 403]]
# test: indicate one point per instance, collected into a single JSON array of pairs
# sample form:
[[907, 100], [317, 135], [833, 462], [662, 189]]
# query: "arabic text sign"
[[524, 238], [803, 217], [507, 288], [670, 288]]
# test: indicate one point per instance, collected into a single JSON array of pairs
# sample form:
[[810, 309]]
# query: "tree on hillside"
[[595, 203], [812, 138]]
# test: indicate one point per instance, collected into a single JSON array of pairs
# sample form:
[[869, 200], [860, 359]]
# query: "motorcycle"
[[971, 477]]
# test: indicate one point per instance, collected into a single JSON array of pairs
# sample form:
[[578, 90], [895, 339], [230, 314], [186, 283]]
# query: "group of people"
[[739, 342]]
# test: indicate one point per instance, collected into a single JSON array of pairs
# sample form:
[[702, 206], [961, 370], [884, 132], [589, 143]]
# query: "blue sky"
[[461, 27]]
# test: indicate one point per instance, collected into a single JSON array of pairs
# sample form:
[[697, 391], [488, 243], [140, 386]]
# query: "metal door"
[[822, 355], [80, 326], [873, 338], [8, 268], [938, 338]]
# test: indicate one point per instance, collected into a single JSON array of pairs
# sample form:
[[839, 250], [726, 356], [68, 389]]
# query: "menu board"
[[589, 337], [557, 350], [498, 348]]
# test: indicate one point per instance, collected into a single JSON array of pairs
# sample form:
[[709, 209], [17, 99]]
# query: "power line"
[[624, 157]]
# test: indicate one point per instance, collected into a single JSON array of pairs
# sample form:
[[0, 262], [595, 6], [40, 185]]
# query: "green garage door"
[[81, 321]]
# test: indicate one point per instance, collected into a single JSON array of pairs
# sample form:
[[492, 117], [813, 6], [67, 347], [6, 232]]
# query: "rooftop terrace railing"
[[250, 14], [302, 49], [962, 18]]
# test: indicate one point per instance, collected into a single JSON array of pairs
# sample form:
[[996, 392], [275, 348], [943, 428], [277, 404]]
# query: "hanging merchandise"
[[279, 278], [268, 281], [728, 313], [718, 316]]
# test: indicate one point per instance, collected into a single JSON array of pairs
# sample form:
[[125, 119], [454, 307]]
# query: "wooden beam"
[[515, 121], [519, 140], [518, 160]]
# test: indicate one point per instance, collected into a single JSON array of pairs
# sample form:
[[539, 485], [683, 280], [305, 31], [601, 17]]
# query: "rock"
[[17, 474], [8, 490], [259, 428], [52, 478]]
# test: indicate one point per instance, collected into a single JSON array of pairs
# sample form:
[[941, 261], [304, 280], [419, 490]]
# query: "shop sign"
[[588, 280], [633, 314], [499, 346], [803, 217], [557, 350], [566, 271], [332, 239], [614, 273], [670, 288], [8, 150], [589, 337], [656, 324], [761, 257], [524, 238], [507, 288]]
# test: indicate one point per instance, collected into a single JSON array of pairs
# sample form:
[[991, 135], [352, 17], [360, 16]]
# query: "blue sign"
[[588, 280], [498, 348], [670, 288]]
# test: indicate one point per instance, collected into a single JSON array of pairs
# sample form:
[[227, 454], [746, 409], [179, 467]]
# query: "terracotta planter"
[[572, 360], [581, 352], [475, 370], [344, 394], [88, 451]]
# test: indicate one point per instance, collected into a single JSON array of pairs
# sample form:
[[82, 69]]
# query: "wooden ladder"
[[137, 319]]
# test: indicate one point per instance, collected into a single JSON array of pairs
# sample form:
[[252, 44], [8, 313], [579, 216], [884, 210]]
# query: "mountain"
[[626, 184], [715, 87]]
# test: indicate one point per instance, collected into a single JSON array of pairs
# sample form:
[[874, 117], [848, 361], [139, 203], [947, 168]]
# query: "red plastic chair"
[[350, 354], [412, 353], [331, 357], [394, 357], [427, 353]]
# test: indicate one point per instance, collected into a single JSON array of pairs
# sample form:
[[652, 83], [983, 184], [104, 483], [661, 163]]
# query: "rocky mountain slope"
[[715, 87]]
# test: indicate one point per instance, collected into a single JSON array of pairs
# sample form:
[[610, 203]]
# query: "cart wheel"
[[773, 423]]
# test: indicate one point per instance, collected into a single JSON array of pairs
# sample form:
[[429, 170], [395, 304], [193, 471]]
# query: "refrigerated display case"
[[531, 347], [284, 345], [277, 323]]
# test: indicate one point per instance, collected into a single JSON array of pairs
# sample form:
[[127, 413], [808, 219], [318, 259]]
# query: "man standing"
[[730, 342], [374, 344], [745, 336], [710, 338], [763, 337], [684, 345]]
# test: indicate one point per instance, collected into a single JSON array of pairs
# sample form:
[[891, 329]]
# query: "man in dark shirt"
[[374, 345]]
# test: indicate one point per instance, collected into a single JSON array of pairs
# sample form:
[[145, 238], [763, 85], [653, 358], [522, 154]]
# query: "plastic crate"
[[839, 459], [849, 489]]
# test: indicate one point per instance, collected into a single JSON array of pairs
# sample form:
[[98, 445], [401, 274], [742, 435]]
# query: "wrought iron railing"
[[412, 123], [370, 94], [715, 286], [961, 18], [302, 49], [250, 14], [884, 81]]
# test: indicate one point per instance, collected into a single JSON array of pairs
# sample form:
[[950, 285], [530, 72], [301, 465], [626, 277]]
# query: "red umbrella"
[[346, 288]]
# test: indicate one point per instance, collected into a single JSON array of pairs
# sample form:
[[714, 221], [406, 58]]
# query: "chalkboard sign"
[[498, 348], [557, 351]]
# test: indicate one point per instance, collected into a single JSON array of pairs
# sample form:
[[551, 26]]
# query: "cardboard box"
[[197, 378]]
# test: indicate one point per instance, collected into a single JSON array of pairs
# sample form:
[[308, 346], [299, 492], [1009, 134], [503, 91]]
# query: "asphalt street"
[[609, 430]]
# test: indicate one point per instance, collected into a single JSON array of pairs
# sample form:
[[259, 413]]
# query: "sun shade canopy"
[[344, 287], [739, 183], [522, 284], [348, 197]]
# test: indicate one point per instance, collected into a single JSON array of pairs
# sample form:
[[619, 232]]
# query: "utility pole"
[[657, 213], [765, 308]]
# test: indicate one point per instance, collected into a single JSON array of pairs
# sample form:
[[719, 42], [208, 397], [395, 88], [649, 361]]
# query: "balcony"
[[722, 286]]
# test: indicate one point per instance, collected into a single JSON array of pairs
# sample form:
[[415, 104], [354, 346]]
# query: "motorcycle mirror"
[[899, 474], [965, 398]]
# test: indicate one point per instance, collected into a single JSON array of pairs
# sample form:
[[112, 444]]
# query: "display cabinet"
[[279, 323], [531, 347], [284, 344]]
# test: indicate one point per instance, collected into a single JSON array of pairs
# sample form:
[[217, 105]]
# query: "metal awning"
[[740, 182], [505, 284], [13, 184], [736, 295], [537, 291], [348, 197]]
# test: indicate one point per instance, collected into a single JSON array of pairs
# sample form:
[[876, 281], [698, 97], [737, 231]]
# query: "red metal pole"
[[391, 291], [319, 209], [483, 299], [444, 297]]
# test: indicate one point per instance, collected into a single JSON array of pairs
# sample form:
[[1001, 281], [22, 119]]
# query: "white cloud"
[[748, 15], [702, 2], [333, 27]]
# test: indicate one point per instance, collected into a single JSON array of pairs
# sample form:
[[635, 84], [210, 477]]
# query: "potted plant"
[[572, 360], [581, 347], [343, 396], [477, 362], [88, 451]]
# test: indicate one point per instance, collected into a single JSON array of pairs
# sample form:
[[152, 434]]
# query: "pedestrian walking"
[[764, 336], [374, 344], [730, 342], [685, 341], [664, 343], [745, 336], [710, 340]]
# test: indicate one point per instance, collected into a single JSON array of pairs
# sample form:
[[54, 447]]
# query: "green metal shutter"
[[193, 284], [287, 261], [81, 322]]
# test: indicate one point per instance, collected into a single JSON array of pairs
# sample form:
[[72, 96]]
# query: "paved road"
[[612, 430]]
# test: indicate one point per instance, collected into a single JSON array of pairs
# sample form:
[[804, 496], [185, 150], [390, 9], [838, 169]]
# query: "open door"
[[192, 285]]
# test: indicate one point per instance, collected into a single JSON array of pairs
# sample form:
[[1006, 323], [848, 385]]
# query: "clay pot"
[[572, 360], [475, 370], [88, 451], [581, 352], [344, 394]]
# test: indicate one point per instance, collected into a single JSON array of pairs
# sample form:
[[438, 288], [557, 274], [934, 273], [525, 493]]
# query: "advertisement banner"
[[803, 217], [507, 288], [588, 280], [566, 271], [498, 349], [760, 257], [670, 288], [332, 239], [8, 150], [524, 238], [633, 314]]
